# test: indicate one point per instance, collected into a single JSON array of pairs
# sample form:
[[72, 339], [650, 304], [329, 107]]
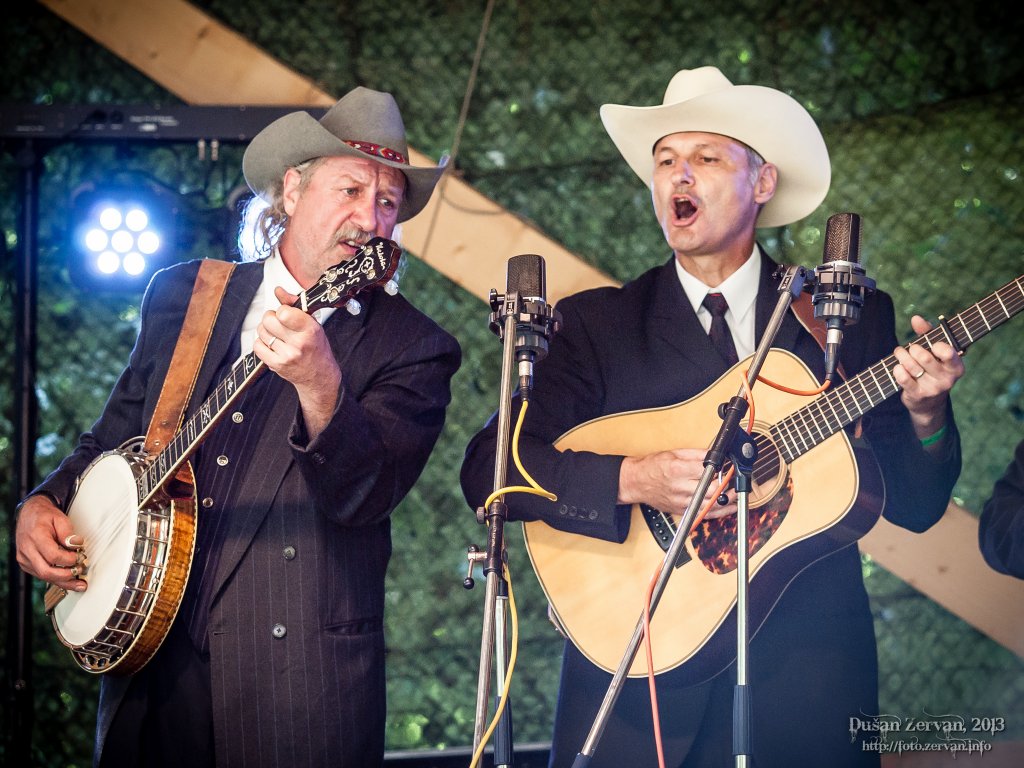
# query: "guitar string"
[[975, 321], [788, 441], [113, 525]]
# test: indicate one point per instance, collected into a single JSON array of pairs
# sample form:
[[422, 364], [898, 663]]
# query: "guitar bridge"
[[663, 529]]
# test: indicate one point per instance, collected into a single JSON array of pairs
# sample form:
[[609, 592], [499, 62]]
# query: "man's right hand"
[[667, 480], [47, 546]]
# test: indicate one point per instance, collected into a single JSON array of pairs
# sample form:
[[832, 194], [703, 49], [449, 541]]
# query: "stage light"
[[121, 235]]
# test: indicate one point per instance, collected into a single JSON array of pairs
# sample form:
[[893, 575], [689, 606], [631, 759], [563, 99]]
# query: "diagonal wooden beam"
[[469, 238], [945, 563], [461, 234]]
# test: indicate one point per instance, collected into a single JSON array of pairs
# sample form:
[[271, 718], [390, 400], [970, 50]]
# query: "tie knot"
[[716, 304]]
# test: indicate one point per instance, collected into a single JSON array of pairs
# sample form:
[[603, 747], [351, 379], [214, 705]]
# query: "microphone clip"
[[533, 318]]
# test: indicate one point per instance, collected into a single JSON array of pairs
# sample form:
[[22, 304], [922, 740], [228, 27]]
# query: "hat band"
[[378, 151]]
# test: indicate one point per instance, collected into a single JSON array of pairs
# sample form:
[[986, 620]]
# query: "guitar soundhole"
[[714, 540]]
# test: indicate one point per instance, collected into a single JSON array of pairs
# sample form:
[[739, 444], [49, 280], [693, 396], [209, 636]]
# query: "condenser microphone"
[[526, 295], [840, 284]]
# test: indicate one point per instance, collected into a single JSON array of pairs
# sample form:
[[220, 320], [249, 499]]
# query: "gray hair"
[[262, 223], [755, 162]]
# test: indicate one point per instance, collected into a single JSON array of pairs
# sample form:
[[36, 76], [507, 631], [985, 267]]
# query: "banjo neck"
[[374, 265], [166, 464]]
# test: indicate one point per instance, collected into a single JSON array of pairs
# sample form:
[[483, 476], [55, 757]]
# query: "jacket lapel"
[[245, 280], [674, 323], [767, 300]]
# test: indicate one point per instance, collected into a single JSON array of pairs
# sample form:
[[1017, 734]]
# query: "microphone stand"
[[507, 309], [733, 442]]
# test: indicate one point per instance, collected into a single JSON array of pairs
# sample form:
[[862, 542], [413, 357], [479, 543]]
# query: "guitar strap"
[[189, 351], [803, 310]]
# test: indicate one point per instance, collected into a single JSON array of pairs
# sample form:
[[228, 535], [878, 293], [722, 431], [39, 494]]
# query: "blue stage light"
[[121, 235]]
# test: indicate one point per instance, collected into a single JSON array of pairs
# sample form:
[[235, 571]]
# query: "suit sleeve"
[[1001, 528], [918, 485], [379, 438], [568, 391]]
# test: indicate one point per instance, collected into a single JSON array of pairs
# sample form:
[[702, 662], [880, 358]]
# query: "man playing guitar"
[[720, 160]]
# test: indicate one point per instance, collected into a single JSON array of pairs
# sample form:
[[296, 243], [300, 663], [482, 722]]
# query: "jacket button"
[[279, 631], [237, 417], [222, 460], [289, 553], [207, 502]]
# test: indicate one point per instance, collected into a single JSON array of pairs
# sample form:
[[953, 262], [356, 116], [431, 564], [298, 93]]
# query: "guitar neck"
[[167, 463], [820, 419]]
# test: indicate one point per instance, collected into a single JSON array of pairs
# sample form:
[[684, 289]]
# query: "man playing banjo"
[[276, 655]]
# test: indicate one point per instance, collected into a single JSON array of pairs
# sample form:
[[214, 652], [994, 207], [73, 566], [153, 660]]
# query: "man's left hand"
[[294, 346], [926, 377]]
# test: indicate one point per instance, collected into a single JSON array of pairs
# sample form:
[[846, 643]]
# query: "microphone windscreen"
[[526, 277], [842, 238]]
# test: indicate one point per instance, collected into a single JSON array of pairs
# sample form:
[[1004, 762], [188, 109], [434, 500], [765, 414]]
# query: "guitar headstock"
[[373, 265]]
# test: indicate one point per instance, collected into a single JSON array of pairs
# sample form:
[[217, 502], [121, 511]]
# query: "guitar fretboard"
[[822, 418]]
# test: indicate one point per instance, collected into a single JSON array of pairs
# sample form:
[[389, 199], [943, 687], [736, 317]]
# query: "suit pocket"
[[355, 627]]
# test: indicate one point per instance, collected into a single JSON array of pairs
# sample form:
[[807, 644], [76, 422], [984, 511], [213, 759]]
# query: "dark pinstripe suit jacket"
[[314, 696]]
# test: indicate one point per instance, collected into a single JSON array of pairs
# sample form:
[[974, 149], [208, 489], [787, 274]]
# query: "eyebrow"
[[363, 179], [703, 146]]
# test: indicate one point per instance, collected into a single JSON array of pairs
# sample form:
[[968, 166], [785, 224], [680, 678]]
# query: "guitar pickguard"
[[714, 540]]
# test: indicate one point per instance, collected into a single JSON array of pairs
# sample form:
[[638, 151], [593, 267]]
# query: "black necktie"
[[716, 304]]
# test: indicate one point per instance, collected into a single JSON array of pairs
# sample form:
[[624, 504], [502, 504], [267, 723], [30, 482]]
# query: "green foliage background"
[[920, 104]]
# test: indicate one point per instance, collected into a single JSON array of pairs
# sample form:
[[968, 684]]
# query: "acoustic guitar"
[[136, 512], [596, 588]]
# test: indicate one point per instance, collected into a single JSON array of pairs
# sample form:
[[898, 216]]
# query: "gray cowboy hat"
[[772, 123], [364, 123]]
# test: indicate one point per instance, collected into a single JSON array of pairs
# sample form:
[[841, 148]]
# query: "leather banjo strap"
[[193, 339]]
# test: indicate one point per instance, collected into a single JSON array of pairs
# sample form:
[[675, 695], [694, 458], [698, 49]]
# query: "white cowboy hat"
[[363, 123], [769, 121]]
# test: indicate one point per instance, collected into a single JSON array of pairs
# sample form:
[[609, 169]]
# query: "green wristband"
[[934, 438]]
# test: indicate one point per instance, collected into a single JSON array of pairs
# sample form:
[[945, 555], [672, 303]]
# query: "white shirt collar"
[[275, 273], [740, 292], [740, 288]]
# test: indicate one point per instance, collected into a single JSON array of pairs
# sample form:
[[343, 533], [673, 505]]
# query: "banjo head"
[[105, 513]]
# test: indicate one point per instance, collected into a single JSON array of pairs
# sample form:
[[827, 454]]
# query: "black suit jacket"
[[296, 619], [642, 346], [1001, 528]]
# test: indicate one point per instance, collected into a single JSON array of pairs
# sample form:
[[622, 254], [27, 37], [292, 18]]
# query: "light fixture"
[[121, 234]]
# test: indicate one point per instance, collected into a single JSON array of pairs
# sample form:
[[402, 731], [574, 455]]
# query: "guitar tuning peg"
[[353, 307], [391, 287]]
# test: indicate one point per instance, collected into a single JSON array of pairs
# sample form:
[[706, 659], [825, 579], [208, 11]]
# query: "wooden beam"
[[462, 233], [469, 238], [945, 563]]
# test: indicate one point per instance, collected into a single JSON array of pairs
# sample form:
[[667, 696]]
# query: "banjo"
[[136, 512]]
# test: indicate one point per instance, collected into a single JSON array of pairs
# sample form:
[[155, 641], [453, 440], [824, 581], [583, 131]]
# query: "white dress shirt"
[[740, 292]]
